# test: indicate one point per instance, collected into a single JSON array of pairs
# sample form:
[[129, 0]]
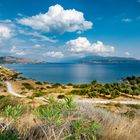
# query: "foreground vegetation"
[[53, 120], [129, 86], [49, 113], [57, 120]]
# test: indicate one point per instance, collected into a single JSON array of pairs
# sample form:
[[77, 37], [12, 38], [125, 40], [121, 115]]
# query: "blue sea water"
[[77, 73]]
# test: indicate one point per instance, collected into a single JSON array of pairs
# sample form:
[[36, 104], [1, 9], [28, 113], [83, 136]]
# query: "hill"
[[110, 59], [12, 59]]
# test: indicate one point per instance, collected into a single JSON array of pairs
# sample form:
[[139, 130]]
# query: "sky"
[[57, 30]]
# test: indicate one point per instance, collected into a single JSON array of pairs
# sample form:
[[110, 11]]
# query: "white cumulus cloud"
[[82, 44], [54, 54], [15, 51], [57, 19], [5, 32]]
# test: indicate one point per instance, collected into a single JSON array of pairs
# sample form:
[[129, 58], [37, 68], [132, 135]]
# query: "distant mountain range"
[[101, 59], [12, 59], [88, 59], [109, 59]]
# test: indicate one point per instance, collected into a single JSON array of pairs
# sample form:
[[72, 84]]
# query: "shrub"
[[56, 85], [9, 135], [80, 92], [69, 102], [135, 106], [13, 111], [94, 82], [115, 94], [2, 96], [38, 94], [63, 116], [70, 84], [61, 96], [84, 129], [84, 85], [92, 94], [27, 86], [38, 83], [15, 76]]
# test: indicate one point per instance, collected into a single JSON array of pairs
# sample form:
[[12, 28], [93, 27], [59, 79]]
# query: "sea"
[[77, 73]]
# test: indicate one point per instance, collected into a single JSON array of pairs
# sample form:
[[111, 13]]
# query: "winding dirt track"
[[11, 90], [90, 101]]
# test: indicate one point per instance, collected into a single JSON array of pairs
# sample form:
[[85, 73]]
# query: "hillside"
[[40, 111], [101, 59], [12, 59]]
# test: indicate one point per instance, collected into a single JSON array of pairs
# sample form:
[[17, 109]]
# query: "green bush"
[[15, 76], [84, 85], [94, 82], [38, 83], [2, 96], [135, 106], [70, 84], [83, 129], [61, 96], [38, 94], [27, 86], [115, 94], [92, 94], [13, 111], [55, 112], [80, 92], [9, 135], [56, 85]]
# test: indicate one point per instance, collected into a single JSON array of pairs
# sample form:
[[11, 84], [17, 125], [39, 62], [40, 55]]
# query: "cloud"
[[127, 20], [15, 51], [19, 14], [59, 20], [127, 53], [54, 54], [37, 35], [82, 44], [5, 32]]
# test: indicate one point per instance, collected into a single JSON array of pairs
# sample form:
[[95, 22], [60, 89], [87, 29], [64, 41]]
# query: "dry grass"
[[114, 126]]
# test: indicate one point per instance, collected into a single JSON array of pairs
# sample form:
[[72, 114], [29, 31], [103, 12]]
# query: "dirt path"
[[11, 90], [92, 101]]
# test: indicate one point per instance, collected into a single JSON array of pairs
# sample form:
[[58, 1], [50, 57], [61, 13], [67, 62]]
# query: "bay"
[[77, 73]]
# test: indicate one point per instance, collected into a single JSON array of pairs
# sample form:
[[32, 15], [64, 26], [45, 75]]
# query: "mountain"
[[109, 59], [12, 59], [101, 59]]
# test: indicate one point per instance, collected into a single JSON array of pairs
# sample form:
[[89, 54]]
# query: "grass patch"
[[7, 100], [135, 106]]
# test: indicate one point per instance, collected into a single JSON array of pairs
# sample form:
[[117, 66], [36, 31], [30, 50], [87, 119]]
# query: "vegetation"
[[61, 96], [28, 86], [47, 118], [54, 119], [38, 94], [65, 120], [9, 135], [13, 112], [129, 86]]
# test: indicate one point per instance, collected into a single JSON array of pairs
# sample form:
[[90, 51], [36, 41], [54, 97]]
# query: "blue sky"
[[56, 30]]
